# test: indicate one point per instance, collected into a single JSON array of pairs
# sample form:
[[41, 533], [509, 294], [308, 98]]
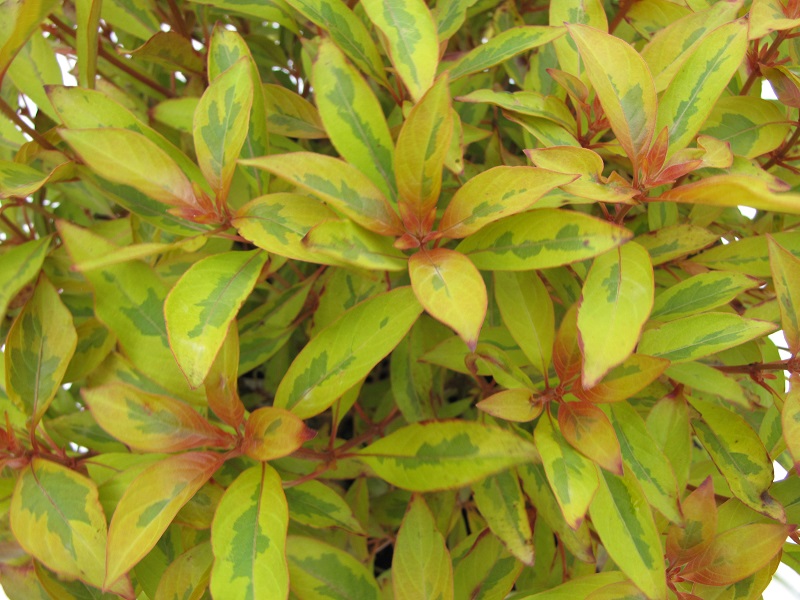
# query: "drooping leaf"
[[19, 181], [412, 380], [273, 432], [589, 431], [248, 538], [439, 455], [171, 50], [668, 424], [785, 268]]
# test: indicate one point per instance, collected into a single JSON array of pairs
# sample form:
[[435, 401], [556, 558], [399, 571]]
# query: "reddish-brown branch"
[[624, 7]]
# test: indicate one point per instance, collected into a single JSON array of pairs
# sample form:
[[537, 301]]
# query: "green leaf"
[[541, 239], [526, 103], [669, 243], [290, 114], [623, 382], [785, 268], [19, 181], [748, 255], [700, 293], [441, 455], [26, 18], [39, 346], [790, 422], [248, 538], [709, 380], [421, 565], [517, 404], [616, 301], [581, 587], [629, 533], [343, 242], [668, 424], [346, 351], [752, 126], [95, 342], [587, 12], [589, 431], [204, 302], [483, 568], [701, 335], [273, 432], [319, 571], [18, 266], [315, 504], [413, 45], [171, 50], [220, 125], [411, 379], [187, 577]]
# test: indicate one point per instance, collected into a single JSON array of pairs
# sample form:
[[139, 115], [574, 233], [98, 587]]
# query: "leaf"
[[671, 242], [27, 16], [733, 190], [411, 38], [668, 424], [785, 268], [526, 103], [19, 181], [248, 538], [149, 422], [346, 351], [587, 12], [56, 517], [339, 184], [421, 565], [220, 125], [150, 503], [203, 303], [623, 590], [503, 46], [748, 255], [567, 356], [624, 87], [572, 477], [314, 504], [451, 289], [483, 568], [38, 349], [440, 455], [540, 239], [768, 16], [739, 454], [790, 422], [700, 293], [429, 125], [699, 376], [171, 50], [272, 433], [696, 534], [496, 193], [752, 126], [701, 335], [18, 266], [412, 380], [624, 381], [616, 301], [346, 243], [500, 501], [518, 404], [581, 587], [290, 114], [186, 578], [221, 381], [628, 533], [353, 117], [318, 570], [589, 431]]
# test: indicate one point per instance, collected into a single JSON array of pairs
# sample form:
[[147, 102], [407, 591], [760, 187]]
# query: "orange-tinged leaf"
[[567, 356], [221, 381], [517, 404], [620, 383], [451, 289], [149, 422], [590, 432], [273, 432], [149, 505], [700, 524], [785, 268]]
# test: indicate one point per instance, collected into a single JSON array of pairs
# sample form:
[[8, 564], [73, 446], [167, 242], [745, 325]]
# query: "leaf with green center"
[[752, 126], [700, 524], [315, 504], [668, 424], [413, 46], [220, 125], [18, 180], [626, 528], [150, 503], [151, 423], [624, 381], [526, 103], [26, 16], [623, 590], [451, 289], [494, 194], [586, 12], [572, 477], [248, 538], [187, 576], [790, 421], [767, 16], [203, 303], [518, 404], [440, 455], [739, 454], [273, 432], [541, 239], [353, 117], [18, 266], [421, 565], [483, 568], [291, 115], [674, 241], [343, 353], [346, 243], [616, 300], [38, 349], [700, 293], [785, 268], [624, 87], [707, 379], [581, 587], [589, 431]]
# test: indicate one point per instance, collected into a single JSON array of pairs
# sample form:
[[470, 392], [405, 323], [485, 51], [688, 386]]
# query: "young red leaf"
[[590, 432]]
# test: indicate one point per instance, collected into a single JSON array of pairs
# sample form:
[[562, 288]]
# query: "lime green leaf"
[[503, 46], [419, 174], [572, 477], [790, 421], [586, 12], [346, 351], [411, 379], [18, 180], [624, 86], [623, 590], [442, 455], [18, 266], [269, 10], [785, 268], [629, 533], [733, 190], [203, 304], [319, 571], [171, 50], [589, 431], [648, 464], [767, 16], [339, 184], [56, 517], [518, 404], [187, 577], [748, 255], [289, 114], [751, 126], [353, 117], [541, 239], [150, 503], [701, 335], [61, 588], [624, 381], [421, 565], [220, 125], [346, 243], [500, 501], [700, 293], [450, 16], [494, 194], [668, 424], [221, 382], [674, 241], [526, 103], [615, 303], [483, 568], [248, 537], [700, 524], [699, 376], [151, 423], [581, 587], [451, 289], [273, 432], [26, 16], [315, 504], [39, 346], [739, 454], [698, 84], [95, 342], [410, 33]]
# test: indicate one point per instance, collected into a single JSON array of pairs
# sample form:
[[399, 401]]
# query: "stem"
[[784, 149], [624, 7], [20, 122], [756, 72], [780, 365]]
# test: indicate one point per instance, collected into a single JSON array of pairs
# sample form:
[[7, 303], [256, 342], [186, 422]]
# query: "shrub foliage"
[[366, 300]]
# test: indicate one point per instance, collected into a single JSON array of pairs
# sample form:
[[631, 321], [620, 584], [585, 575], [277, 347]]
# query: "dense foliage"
[[385, 299]]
